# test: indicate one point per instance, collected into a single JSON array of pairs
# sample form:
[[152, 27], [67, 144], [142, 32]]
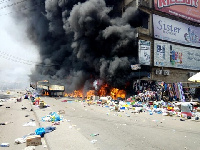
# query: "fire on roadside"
[[115, 93], [105, 90], [76, 93]]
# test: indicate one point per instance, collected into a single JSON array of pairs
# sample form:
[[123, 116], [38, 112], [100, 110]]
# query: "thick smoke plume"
[[80, 41]]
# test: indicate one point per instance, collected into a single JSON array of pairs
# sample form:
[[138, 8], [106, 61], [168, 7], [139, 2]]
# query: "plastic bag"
[[55, 116], [40, 131]]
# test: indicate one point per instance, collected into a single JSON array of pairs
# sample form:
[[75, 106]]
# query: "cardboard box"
[[34, 140], [41, 104]]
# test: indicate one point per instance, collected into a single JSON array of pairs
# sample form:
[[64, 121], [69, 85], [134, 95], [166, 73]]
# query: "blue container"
[[123, 108]]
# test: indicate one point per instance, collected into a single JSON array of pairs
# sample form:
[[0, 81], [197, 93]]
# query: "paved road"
[[11, 112], [116, 130]]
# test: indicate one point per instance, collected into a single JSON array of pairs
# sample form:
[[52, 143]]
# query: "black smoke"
[[80, 41]]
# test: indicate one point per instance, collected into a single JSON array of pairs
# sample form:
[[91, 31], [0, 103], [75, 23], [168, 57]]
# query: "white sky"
[[15, 51]]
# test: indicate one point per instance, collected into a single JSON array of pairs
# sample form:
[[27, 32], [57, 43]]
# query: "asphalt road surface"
[[120, 130], [97, 128], [14, 117]]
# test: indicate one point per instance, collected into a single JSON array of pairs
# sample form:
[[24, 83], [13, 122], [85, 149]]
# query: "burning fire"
[[105, 90], [90, 93], [113, 92], [76, 93], [46, 93]]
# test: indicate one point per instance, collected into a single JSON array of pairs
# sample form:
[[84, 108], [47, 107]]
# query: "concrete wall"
[[175, 75]]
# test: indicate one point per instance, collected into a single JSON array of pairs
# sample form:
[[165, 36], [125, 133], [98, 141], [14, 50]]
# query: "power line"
[[3, 1], [25, 8], [16, 59], [24, 61], [13, 4]]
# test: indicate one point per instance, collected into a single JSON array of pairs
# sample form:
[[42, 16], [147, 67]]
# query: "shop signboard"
[[56, 88], [171, 30], [186, 9], [176, 56], [144, 52]]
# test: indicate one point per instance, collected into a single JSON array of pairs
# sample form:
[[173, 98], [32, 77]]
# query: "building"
[[169, 39]]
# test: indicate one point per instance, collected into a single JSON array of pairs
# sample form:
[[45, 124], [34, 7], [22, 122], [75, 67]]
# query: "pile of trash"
[[188, 110], [52, 117]]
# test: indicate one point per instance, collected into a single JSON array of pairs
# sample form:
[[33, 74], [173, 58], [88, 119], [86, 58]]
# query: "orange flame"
[[76, 93], [90, 93], [105, 90], [113, 92]]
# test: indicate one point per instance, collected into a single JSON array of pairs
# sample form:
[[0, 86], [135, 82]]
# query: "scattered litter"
[[25, 136], [30, 148], [33, 140], [20, 140], [5, 123], [93, 141], [30, 124], [155, 120], [26, 115], [64, 101], [40, 131], [61, 112], [49, 129], [5, 145], [56, 123], [182, 120], [32, 120], [150, 113], [52, 117], [94, 134], [23, 108]]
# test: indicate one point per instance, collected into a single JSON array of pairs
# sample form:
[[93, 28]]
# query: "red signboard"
[[187, 9]]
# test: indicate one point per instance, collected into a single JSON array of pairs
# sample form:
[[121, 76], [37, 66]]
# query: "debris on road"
[[34, 140], [30, 124], [20, 140], [93, 141], [30, 148], [96, 134], [5, 145]]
